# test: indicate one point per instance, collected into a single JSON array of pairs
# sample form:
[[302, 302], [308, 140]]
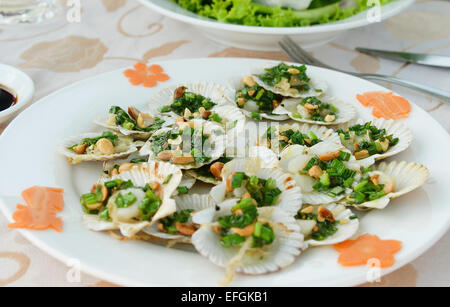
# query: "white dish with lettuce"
[[260, 24]]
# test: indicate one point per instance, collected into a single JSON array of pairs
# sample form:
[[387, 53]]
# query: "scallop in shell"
[[123, 148], [322, 133], [398, 130], [282, 252], [293, 108], [402, 177], [250, 108], [268, 160], [195, 202], [213, 148], [105, 121], [294, 159], [347, 225], [290, 198], [126, 219], [317, 87], [218, 94]]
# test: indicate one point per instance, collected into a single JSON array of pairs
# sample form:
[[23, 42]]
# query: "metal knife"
[[417, 58]]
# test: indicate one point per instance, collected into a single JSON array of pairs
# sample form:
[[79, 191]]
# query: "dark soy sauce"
[[7, 98]]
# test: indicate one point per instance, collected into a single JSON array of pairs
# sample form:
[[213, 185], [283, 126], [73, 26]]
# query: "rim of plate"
[[388, 10], [32, 236]]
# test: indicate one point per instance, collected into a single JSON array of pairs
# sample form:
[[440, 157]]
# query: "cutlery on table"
[[416, 58], [298, 54]]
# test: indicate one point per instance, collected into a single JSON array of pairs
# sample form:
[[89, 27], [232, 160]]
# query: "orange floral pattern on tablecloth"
[[366, 248], [146, 76]]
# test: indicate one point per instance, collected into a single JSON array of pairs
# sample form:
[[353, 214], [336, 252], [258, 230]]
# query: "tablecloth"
[[117, 33]]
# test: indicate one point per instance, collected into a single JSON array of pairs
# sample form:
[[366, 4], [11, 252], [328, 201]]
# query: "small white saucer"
[[21, 84]]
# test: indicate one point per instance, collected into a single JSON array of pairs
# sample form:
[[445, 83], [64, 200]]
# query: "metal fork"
[[297, 54]]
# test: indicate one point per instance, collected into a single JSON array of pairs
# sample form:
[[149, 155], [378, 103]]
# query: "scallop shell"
[[323, 133], [77, 158], [109, 165], [195, 202], [94, 223], [140, 175], [217, 135], [318, 86], [141, 135], [407, 176], [236, 84], [290, 198], [143, 173], [346, 111], [295, 157], [397, 129], [217, 93], [280, 254], [344, 232]]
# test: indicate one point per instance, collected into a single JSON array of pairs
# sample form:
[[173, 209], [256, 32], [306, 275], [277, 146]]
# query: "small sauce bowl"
[[19, 84]]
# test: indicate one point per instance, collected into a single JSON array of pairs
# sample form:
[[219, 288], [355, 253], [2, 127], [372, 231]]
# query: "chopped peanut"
[[185, 229], [238, 211], [161, 227], [94, 206], [249, 81], [165, 155], [206, 114], [216, 170], [329, 156], [217, 228], [246, 195], [389, 187], [384, 145], [186, 159], [154, 185], [251, 92], [241, 101], [311, 107], [293, 71], [362, 154], [229, 180], [374, 179], [330, 118], [114, 172], [245, 232], [134, 113], [343, 221], [104, 191], [284, 138], [324, 214], [144, 120], [275, 103], [179, 92], [307, 210], [315, 171], [80, 149]]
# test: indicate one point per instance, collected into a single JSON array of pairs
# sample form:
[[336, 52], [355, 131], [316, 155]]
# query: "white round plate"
[[28, 157], [267, 38]]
